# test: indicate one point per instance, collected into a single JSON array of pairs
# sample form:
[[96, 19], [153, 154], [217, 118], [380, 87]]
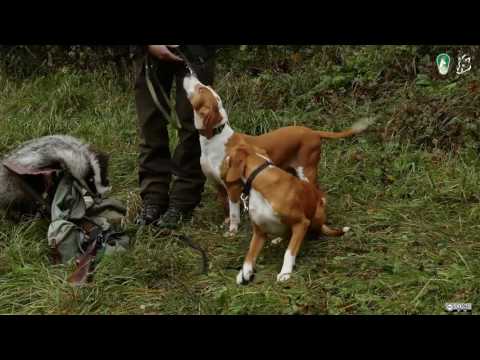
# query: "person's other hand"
[[162, 52]]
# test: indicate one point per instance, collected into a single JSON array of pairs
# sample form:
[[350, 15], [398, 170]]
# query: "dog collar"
[[215, 131], [248, 184]]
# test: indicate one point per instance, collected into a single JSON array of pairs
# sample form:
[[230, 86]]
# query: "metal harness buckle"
[[244, 199]]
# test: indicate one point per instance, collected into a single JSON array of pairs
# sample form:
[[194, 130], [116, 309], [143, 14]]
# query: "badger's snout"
[[98, 199]]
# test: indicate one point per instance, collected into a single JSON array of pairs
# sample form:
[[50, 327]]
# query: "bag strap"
[[82, 270]]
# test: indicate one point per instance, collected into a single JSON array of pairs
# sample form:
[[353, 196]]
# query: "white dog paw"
[[277, 241], [347, 231], [226, 222], [283, 277], [232, 231], [230, 234], [244, 277]]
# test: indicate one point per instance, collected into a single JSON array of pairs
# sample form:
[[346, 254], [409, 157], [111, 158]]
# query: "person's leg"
[[189, 179], [154, 160]]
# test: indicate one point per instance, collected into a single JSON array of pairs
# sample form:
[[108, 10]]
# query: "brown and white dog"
[[292, 147], [279, 203]]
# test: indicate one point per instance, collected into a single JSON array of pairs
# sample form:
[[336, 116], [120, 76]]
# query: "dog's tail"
[[358, 127], [334, 232]]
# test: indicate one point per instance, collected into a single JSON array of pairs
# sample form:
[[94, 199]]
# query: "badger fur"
[[61, 152]]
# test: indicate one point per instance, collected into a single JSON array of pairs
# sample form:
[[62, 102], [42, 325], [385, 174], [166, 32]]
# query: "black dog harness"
[[248, 184]]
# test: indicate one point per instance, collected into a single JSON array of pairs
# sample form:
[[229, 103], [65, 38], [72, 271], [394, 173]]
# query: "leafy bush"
[[301, 83], [23, 61]]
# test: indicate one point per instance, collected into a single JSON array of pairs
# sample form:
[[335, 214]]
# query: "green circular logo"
[[443, 63]]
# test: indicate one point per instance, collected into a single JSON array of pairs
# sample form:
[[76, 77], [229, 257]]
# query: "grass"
[[412, 201]]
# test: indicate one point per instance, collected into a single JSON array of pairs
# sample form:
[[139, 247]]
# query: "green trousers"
[[157, 166]]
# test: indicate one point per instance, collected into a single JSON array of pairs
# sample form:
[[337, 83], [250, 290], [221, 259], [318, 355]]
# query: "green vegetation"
[[408, 188]]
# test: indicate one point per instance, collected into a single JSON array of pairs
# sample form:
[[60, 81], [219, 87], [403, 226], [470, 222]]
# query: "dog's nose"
[[188, 85]]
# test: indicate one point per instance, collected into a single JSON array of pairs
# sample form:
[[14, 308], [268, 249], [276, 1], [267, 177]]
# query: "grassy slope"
[[414, 213]]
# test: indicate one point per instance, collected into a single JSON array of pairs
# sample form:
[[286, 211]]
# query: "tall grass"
[[408, 188]]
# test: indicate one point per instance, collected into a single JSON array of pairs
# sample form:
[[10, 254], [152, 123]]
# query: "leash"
[[187, 240], [187, 63], [201, 58], [148, 76], [176, 124], [86, 263], [248, 184]]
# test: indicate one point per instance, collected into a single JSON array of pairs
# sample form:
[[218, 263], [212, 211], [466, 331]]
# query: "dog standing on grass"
[[279, 204], [293, 148]]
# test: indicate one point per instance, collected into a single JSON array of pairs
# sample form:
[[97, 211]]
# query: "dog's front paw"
[[230, 234], [226, 222], [245, 275], [233, 227], [277, 240], [232, 231], [283, 277]]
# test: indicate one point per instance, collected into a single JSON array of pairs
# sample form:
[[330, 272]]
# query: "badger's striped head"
[[97, 174]]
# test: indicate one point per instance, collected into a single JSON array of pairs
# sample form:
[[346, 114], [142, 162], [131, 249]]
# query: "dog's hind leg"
[[256, 245], [307, 161], [319, 221], [298, 234], [310, 174], [222, 197], [334, 232]]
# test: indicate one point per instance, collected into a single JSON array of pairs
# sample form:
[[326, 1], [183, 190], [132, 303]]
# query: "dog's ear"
[[211, 117], [206, 106], [235, 165], [196, 101]]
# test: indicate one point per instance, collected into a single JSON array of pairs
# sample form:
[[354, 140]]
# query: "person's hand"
[[162, 52]]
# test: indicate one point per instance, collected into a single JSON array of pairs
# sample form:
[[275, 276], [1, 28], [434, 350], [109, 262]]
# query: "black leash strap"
[[187, 240], [151, 78], [198, 54], [187, 63]]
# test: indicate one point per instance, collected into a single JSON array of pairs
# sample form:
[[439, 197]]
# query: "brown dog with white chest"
[[294, 148], [279, 204]]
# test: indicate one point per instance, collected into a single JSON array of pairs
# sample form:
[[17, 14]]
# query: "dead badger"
[[30, 168]]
